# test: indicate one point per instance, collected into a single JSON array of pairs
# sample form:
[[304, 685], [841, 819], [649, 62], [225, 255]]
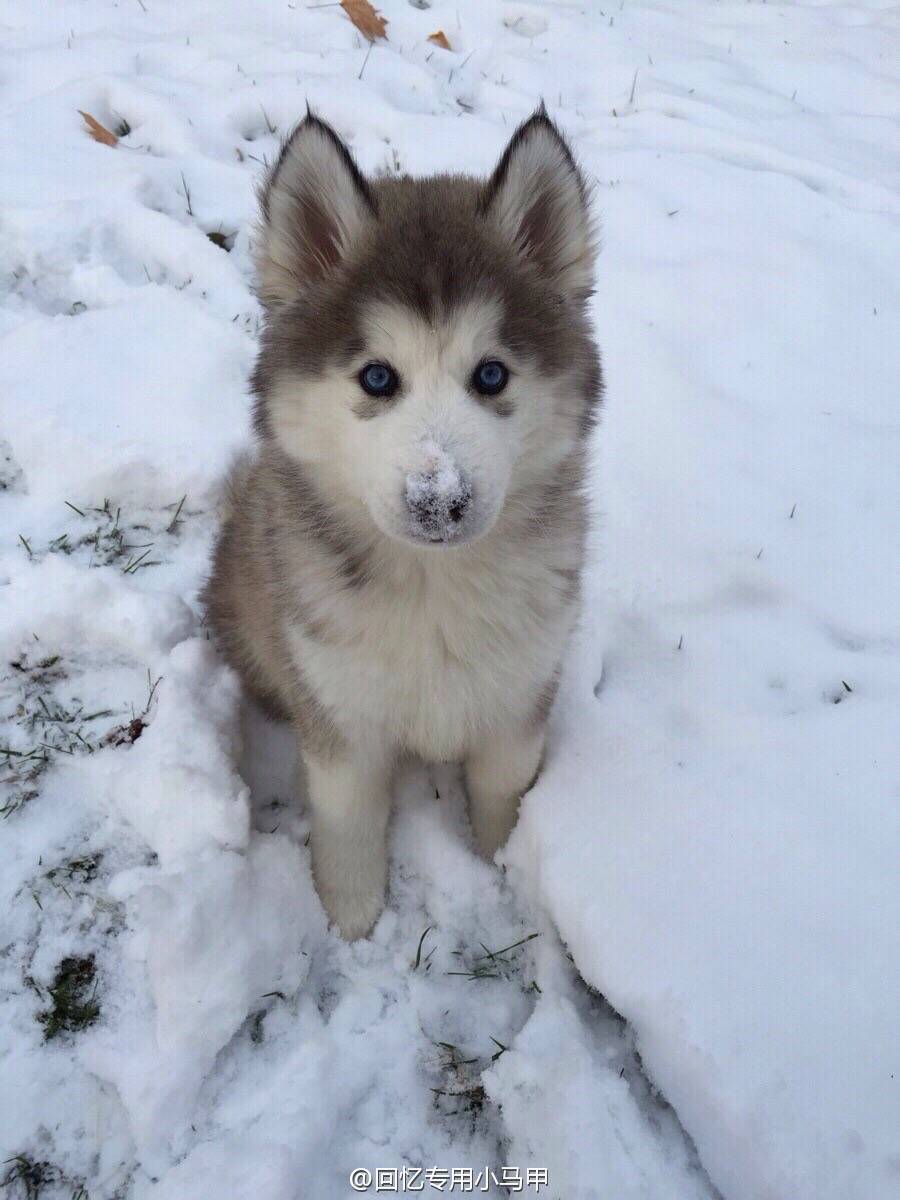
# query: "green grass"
[[418, 959], [462, 1094], [20, 772], [73, 998], [83, 870], [493, 964], [107, 539], [52, 726]]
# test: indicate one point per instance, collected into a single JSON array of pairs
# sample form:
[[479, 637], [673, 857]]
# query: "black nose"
[[437, 510], [457, 509]]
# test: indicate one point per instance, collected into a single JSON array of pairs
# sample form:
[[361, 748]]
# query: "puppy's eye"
[[490, 377], [378, 379]]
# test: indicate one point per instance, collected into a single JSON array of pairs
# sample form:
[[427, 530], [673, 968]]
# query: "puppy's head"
[[426, 348]]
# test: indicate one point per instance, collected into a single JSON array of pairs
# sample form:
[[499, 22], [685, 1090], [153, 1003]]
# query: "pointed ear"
[[314, 203], [539, 199]]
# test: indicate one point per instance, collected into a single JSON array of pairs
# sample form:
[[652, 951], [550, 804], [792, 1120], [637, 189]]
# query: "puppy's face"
[[425, 347], [421, 424]]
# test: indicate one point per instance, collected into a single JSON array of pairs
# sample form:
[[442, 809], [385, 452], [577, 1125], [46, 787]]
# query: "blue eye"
[[378, 379], [490, 377]]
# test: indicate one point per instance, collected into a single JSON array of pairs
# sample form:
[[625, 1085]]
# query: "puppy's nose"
[[437, 502]]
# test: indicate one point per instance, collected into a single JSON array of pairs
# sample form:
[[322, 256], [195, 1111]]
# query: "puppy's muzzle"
[[438, 503]]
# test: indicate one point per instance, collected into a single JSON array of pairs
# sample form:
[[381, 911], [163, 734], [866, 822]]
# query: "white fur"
[[350, 803], [497, 773], [450, 648], [447, 643], [428, 668]]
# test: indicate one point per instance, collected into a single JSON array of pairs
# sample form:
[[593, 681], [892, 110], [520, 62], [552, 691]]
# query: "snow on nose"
[[438, 495]]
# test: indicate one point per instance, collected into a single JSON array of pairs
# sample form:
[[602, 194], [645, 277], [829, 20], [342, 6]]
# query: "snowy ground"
[[176, 1021]]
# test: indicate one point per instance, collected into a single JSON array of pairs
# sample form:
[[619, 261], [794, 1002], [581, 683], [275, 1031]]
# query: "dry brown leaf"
[[99, 132], [365, 18], [440, 39]]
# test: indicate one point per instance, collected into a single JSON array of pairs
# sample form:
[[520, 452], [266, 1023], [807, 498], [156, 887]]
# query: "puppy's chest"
[[436, 661]]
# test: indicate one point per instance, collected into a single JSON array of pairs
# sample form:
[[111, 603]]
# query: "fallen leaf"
[[440, 39], [365, 18], [98, 132]]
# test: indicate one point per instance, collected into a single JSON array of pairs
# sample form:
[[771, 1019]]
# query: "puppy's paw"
[[492, 823], [498, 774], [350, 804], [352, 913], [352, 893]]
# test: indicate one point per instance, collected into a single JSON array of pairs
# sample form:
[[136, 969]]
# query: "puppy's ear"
[[315, 202], [539, 199]]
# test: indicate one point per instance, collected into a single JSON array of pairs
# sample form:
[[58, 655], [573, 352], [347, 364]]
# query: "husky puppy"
[[399, 570]]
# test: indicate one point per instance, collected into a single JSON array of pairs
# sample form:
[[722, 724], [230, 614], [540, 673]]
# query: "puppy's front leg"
[[350, 803], [498, 773]]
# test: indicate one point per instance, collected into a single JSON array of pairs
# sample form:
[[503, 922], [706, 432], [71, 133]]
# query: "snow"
[[140, 438], [709, 858], [436, 492]]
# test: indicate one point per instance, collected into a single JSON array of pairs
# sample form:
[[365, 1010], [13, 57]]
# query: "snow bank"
[[143, 401], [212, 943], [568, 1110], [716, 832], [178, 787]]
